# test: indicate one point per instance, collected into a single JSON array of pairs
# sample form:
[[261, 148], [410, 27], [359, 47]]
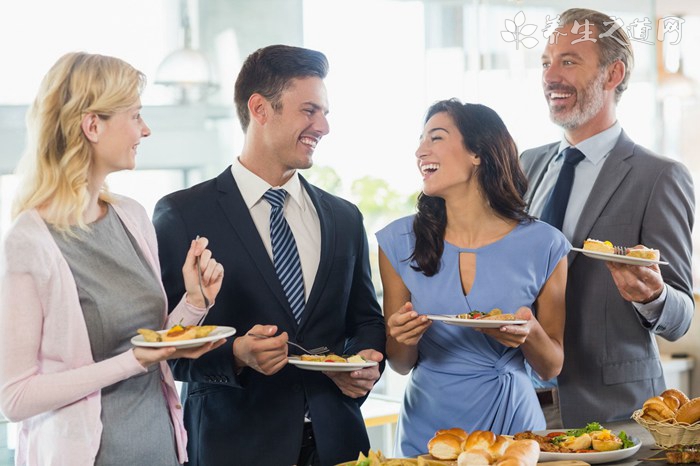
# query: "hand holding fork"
[[202, 274]]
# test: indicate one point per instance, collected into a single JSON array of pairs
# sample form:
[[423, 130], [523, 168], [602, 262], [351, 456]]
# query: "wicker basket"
[[669, 435]]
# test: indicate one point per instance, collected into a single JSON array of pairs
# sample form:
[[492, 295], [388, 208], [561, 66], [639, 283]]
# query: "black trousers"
[[308, 455]]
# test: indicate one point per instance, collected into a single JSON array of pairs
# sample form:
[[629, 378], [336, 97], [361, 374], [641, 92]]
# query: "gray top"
[[119, 293]]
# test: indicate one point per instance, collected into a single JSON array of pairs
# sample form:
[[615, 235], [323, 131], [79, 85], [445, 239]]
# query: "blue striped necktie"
[[284, 252]]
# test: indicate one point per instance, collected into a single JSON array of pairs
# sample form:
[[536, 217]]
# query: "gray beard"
[[588, 103]]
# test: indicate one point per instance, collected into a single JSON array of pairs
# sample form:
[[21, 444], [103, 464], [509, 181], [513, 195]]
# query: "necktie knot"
[[573, 156], [275, 197]]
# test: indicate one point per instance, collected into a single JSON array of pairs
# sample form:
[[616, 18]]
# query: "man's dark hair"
[[270, 70]]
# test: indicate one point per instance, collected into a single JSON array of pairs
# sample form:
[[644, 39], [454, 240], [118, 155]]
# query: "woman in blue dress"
[[471, 247]]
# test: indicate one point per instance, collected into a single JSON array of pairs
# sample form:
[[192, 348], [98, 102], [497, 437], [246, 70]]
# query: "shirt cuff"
[[651, 311]]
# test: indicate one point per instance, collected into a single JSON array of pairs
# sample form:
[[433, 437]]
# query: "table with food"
[[665, 430]]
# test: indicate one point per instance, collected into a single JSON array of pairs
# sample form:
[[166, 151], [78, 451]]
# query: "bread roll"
[[520, 453], [682, 397], [445, 446], [474, 456], [499, 447], [480, 439], [689, 412], [655, 408], [598, 246], [456, 431], [672, 402]]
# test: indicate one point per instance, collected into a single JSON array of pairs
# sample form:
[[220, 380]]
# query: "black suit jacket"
[[611, 360], [251, 418]]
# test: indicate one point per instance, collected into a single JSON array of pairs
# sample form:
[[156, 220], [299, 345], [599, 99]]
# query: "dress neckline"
[[452, 246]]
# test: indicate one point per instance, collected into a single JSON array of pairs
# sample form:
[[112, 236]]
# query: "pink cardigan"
[[48, 379]]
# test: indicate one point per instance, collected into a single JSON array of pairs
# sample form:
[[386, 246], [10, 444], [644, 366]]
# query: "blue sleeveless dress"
[[464, 378]]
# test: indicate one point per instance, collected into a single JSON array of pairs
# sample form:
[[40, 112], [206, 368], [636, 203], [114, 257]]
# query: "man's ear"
[[616, 73], [258, 107], [91, 127]]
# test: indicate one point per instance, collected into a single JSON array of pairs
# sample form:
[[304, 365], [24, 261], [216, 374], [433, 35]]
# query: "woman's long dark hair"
[[500, 176]]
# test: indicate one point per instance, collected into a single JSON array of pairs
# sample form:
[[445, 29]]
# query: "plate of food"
[[331, 362], [593, 444], [181, 336], [476, 319], [605, 251]]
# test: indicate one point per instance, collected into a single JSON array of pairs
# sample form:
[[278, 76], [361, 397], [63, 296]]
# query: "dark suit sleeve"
[[173, 244], [174, 240], [668, 225], [364, 322]]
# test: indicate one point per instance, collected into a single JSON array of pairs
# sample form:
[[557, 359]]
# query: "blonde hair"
[[56, 164]]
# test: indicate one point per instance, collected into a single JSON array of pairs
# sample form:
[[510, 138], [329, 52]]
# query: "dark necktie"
[[555, 208], [284, 253]]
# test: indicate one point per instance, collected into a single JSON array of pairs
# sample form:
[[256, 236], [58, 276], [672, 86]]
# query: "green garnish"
[[363, 463], [626, 441], [558, 439], [592, 427]]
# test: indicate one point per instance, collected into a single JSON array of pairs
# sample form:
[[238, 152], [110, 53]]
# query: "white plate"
[[330, 366], [604, 256], [475, 323], [590, 458], [216, 334]]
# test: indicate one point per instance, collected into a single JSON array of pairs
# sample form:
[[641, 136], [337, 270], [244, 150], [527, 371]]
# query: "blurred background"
[[389, 60]]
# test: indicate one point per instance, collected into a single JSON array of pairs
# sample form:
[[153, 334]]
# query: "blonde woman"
[[80, 275]]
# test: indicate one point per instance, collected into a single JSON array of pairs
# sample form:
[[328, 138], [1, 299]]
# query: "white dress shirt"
[[299, 212]]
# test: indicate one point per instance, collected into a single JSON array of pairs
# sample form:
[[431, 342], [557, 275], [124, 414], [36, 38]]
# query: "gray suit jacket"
[[611, 360]]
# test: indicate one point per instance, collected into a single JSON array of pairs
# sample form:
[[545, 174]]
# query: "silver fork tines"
[[313, 352], [201, 288], [620, 250]]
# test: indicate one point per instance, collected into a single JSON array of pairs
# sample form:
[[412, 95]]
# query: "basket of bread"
[[671, 418], [482, 447]]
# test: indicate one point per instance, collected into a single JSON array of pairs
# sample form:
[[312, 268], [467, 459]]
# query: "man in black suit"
[[244, 404], [622, 193]]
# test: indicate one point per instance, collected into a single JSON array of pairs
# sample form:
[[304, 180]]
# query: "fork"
[[313, 352], [199, 276], [619, 250]]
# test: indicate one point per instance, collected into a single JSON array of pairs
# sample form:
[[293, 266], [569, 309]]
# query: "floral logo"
[[519, 32]]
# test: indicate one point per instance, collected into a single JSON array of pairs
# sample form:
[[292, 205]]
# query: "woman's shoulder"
[[126, 203], [126, 206], [543, 232], [28, 242], [400, 225]]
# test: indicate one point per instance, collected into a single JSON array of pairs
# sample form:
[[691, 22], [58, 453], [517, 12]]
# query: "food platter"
[[604, 256], [474, 323], [329, 366], [597, 457], [216, 334]]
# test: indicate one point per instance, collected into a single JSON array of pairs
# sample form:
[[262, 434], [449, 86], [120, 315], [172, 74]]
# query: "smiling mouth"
[[309, 141], [429, 168], [560, 95]]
